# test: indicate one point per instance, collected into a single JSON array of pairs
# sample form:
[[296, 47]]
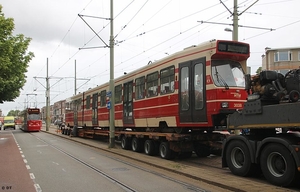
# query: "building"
[[281, 59], [59, 110], [44, 116]]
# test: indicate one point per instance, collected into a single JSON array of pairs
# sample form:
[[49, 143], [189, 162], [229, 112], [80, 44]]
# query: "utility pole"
[[47, 100], [235, 20], [75, 81], [111, 81], [235, 32], [111, 91]]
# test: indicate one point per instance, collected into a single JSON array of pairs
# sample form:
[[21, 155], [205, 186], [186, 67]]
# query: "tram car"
[[31, 120], [193, 89]]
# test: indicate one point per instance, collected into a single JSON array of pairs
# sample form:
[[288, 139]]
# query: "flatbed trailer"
[[168, 145], [262, 148]]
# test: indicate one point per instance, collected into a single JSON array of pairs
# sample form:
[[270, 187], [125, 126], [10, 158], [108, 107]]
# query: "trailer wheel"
[[278, 165], [149, 147], [125, 142], [165, 151], [136, 144], [238, 158]]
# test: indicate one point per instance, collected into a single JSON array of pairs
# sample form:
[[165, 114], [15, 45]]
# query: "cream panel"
[[103, 123], [154, 122], [119, 123], [140, 122]]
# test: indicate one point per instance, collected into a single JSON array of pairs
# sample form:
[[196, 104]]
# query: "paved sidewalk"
[[14, 175]]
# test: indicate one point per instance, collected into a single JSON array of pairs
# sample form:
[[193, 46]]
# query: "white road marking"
[[31, 175]]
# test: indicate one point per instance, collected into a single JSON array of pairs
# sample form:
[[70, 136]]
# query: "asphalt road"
[[57, 165]]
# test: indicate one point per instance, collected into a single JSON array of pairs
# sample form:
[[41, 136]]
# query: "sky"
[[144, 30]]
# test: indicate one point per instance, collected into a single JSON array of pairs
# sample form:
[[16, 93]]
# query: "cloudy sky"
[[145, 30]]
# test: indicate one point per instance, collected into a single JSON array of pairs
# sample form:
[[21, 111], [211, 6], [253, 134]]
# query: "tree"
[[13, 113], [14, 59]]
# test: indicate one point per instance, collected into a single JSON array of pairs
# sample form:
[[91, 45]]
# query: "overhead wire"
[[132, 18], [167, 24], [151, 17], [171, 37], [275, 29], [174, 35], [136, 36]]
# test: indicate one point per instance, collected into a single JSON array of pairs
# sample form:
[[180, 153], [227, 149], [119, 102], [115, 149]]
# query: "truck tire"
[[136, 144], [238, 158], [278, 165], [125, 143], [149, 147], [164, 151]]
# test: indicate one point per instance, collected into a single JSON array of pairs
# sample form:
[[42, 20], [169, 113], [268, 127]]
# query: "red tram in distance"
[[31, 120], [189, 92]]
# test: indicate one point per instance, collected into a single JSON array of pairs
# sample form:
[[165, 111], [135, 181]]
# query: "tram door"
[[95, 109], [192, 98], [128, 103], [77, 106]]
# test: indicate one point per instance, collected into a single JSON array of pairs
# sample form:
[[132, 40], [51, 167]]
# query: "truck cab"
[[9, 122]]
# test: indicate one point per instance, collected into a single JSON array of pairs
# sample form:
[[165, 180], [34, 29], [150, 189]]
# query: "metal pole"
[[111, 81], [47, 101], [235, 36], [75, 78]]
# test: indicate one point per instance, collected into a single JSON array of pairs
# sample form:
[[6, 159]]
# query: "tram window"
[[88, 102], [129, 92], [95, 101], [140, 88], [103, 98], [78, 104], [198, 86], [167, 77], [33, 117], [70, 105], [184, 99], [118, 94], [152, 84]]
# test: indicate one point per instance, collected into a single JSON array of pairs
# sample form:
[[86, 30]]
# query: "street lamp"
[[228, 30]]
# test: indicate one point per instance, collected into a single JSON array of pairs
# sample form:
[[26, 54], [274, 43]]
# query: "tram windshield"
[[226, 73], [33, 117]]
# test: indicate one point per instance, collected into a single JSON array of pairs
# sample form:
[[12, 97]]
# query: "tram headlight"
[[224, 105]]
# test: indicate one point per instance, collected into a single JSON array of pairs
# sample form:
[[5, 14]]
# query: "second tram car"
[[31, 120]]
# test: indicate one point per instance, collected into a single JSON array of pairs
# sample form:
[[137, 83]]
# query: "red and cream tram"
[[31, 120], [193, 89]]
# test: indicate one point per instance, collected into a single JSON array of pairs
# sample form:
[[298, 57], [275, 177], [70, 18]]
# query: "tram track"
[[123, 185], [211, 164], [114, 180], [127, 156]]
